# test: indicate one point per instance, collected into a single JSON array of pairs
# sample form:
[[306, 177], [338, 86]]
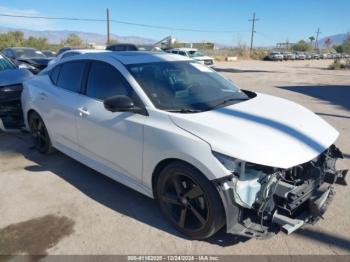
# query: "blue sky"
[[279, 20]]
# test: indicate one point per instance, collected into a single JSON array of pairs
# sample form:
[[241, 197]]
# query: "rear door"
[[114, 140], [60, 103]]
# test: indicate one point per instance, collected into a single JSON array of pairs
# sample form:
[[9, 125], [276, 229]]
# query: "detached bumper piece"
[[288, 199], [315, 208], [11, 115]]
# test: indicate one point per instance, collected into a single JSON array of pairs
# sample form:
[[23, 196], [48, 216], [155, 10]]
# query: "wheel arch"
[[161, 165], [31, 111], [27, 114]]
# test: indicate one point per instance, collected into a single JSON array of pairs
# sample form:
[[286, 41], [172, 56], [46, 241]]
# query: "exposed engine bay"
[[261, 200]]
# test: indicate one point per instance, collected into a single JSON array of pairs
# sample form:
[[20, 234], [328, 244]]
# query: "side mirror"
[[123, 104], [119, 104]]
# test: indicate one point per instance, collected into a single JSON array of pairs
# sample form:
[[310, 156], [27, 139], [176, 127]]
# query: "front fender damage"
[[287, 199]]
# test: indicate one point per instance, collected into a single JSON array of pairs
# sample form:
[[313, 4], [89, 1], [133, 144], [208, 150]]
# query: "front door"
[[114, 140]]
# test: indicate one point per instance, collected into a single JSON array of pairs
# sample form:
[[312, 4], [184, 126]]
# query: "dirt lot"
[[54, 205]]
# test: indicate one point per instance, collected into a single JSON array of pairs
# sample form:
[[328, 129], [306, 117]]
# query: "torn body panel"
[[287, 199], [11, 115]]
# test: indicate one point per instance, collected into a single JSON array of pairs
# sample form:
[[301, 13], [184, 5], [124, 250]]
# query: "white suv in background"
[[194, 54]]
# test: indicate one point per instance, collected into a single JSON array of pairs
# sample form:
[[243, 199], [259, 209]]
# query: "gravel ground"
[[55, 205]]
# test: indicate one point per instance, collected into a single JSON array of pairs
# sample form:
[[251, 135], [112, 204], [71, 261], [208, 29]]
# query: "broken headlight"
[[248, 178], [228, 162], [241, 168]]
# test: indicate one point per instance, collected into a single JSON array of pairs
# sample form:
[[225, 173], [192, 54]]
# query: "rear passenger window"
[[105, 81], [70, 75], [54, 74]]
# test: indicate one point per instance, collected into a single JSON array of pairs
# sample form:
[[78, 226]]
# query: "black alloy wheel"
[[189, 201], [40, 135]]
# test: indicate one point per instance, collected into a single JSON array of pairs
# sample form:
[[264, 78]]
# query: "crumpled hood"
[[264, 130], [14, 76], [36, 61]]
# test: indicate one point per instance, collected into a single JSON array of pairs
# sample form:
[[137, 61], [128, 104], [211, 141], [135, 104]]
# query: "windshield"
[[185, 85], [6, 64], [194, 53], [28, 53]]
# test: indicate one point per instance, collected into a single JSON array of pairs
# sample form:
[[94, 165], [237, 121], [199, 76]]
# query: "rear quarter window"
[[71, 74], [54, 73]]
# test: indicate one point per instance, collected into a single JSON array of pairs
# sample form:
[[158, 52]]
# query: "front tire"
[[189, 201], [40, 135]]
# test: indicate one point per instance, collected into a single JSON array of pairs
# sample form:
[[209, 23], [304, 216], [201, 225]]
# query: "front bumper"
[[289, 206]]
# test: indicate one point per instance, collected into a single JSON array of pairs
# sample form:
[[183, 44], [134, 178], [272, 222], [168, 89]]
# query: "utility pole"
[[108, 34], [317, 34], [253, 31]]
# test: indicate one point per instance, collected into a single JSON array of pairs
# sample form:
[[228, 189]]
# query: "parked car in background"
[[315, 56], [11, 78], [288, 56], [25, 57], [122, 47], [194, 54], [178, 132], [275, 56], [308, 56], [49, 54], [300, 55], [63, 49], [151, 48], [74, 52]]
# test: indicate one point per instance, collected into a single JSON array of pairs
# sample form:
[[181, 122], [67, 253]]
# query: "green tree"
[[302, 46], [40, 43], [11, 39], [312, 39], [73, 40], [338, 48]]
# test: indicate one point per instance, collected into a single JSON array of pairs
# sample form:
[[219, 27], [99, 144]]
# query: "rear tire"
[[40, 135], [189, 201]]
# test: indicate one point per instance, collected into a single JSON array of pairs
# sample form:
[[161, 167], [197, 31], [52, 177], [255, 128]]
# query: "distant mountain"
[[336, 39], [56, 36]]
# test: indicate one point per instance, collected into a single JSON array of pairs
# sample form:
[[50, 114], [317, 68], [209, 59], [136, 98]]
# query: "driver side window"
[[105, 81]]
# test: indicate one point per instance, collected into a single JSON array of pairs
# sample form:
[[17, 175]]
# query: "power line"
[[253, 31], [124, 22]]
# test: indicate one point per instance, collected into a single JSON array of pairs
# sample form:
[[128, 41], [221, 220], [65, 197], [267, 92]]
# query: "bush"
[[259, 54], [337, 65]]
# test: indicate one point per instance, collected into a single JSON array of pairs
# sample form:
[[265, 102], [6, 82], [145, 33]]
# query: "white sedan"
[[211, 154]]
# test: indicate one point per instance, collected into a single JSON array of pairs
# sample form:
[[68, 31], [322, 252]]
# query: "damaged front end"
[[11, 116], [260, 200]]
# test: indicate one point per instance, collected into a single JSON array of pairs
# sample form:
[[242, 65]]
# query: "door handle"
[[83, 111]]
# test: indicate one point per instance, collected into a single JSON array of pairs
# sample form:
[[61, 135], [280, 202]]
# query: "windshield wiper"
[[229, 100], [184, 110]]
